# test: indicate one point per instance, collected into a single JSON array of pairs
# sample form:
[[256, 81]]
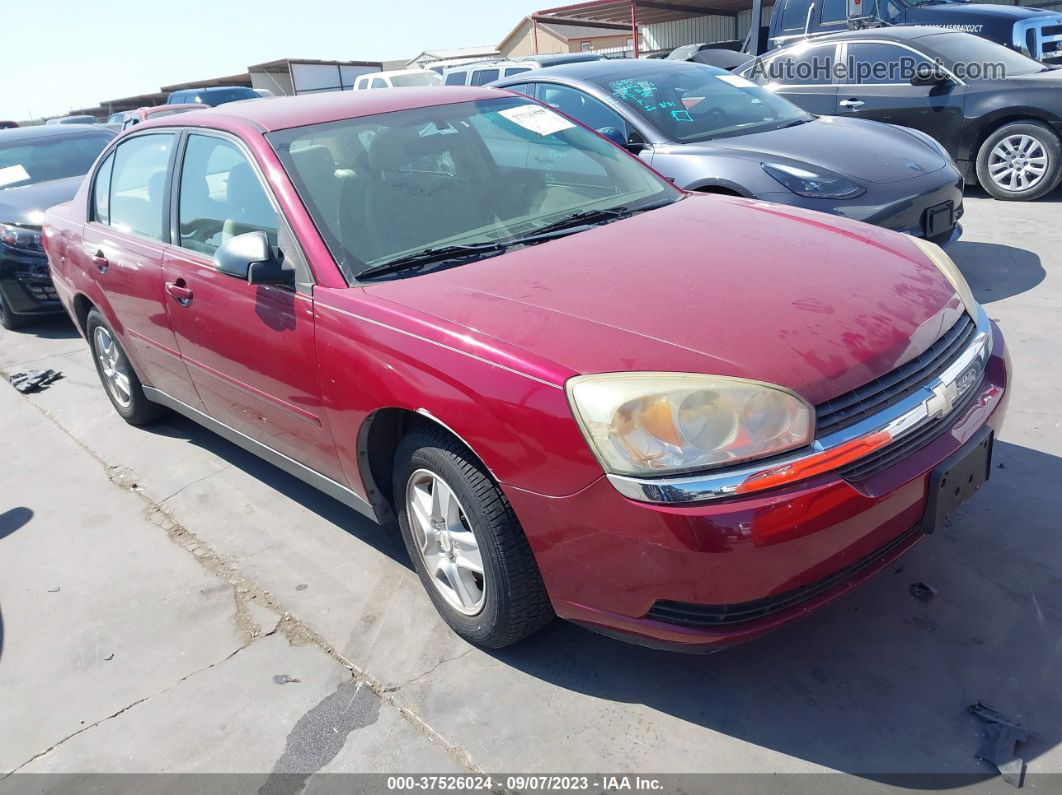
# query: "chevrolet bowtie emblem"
[[942, 401]]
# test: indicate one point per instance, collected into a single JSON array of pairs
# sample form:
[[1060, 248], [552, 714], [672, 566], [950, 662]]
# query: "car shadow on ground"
[[386, 540], [878, 683], [57, 327], [995, 271], [977, 192]]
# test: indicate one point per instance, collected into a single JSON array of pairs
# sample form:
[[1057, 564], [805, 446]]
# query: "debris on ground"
[[109, 657], [34, 380], [922, 592], [1001, 736], [284, 679], [56, 589], [301, 586]]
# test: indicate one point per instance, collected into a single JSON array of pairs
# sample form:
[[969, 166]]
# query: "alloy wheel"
[[445, 542], [112, 366], [1018, 163]]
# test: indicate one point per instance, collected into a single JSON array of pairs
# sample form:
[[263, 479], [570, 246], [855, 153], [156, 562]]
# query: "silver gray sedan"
[[709, 130]]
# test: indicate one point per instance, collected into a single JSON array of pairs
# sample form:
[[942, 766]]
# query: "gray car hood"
[[843, 146]]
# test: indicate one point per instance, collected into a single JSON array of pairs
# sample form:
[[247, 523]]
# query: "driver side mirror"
[[929, 77], [250, 257]]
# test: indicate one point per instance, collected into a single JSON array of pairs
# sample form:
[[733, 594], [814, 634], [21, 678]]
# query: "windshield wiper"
[[569, 225], [429, 256]]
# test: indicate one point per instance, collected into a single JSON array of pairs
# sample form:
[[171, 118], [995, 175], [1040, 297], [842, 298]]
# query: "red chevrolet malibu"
[[683, 420]]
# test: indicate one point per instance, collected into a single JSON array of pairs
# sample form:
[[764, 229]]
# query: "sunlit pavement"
[[171, 603]]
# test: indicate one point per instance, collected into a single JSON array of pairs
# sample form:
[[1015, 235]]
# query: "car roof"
[[589, 70], [280, 113], [898, 32], [51, 131], [209, 89]]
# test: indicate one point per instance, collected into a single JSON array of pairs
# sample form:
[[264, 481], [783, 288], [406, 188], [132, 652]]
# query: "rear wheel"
[[9, 319], [117, 375], [1020, 161], [467, 546]]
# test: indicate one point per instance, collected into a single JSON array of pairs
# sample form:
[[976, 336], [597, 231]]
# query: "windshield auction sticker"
[[537, 119], [12, 174], [736, 80]]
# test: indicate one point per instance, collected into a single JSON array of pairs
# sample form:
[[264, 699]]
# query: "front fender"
[[517, 421]]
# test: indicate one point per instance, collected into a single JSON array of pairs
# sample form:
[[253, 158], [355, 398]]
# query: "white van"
[[400, 78], [480, 73]]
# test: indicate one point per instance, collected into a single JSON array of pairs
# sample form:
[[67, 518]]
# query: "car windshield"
[[46, 158], [962, 48], [693, 102], [389, 186]]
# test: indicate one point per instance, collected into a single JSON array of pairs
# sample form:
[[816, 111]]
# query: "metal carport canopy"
[[629, 14]]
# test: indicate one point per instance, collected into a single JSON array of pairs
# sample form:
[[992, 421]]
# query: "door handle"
[[100, 261], [851, 103], [180, 292]]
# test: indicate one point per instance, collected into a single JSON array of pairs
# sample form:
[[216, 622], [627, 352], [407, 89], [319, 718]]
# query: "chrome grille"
[[879, 394]]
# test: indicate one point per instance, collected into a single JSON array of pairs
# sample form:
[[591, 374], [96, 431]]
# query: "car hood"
[[837, 144], [23, 205], [710, 284]]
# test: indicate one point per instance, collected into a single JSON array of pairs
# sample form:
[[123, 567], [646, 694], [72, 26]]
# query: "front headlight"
[[811, 184], [657, 423], [20, 237], [951, 272]]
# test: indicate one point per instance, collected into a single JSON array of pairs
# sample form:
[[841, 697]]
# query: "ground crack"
[[407, 683], [123, 710]]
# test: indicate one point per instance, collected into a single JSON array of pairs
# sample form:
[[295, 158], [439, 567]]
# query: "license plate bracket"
[[939, 219], [956, 479]]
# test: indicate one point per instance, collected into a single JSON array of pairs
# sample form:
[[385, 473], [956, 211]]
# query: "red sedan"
[[683, 420]]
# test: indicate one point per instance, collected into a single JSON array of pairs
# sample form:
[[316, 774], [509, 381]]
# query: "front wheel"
[[1020, 161], [467, 546], [117, 375]]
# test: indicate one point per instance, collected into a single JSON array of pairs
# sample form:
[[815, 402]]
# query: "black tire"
[[9, 319], [1049, 143], [138, 410], [515, 603]]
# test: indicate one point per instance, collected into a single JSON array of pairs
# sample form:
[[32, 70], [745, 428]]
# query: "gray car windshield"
[[394, 185], [693, 102]]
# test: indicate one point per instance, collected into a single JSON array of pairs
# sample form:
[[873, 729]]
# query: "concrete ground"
[[170, 603]]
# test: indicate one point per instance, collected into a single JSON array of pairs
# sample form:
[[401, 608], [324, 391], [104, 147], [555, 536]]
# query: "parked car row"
[[710, 131], [581, 390]]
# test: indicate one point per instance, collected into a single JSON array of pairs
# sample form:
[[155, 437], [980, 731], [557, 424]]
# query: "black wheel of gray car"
[[467, 546], [117, 375], [1020, 161], [9, 319]]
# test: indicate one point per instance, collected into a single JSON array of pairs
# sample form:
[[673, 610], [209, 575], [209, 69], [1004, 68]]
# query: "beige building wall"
[[522, 42]]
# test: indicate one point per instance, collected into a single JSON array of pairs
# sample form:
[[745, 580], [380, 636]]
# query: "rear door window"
[[456, 78], [138, 185], [221, 196], [481, 77]]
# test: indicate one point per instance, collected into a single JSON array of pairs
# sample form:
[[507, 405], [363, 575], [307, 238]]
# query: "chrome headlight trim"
[[827, 453]]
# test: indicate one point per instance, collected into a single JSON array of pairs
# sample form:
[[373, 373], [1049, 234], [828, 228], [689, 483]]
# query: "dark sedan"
[[39, 167], [709, 130], [997, 112]]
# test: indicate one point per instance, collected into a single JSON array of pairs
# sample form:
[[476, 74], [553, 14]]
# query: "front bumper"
[[616, 564], [26, 283], [900, 206]]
